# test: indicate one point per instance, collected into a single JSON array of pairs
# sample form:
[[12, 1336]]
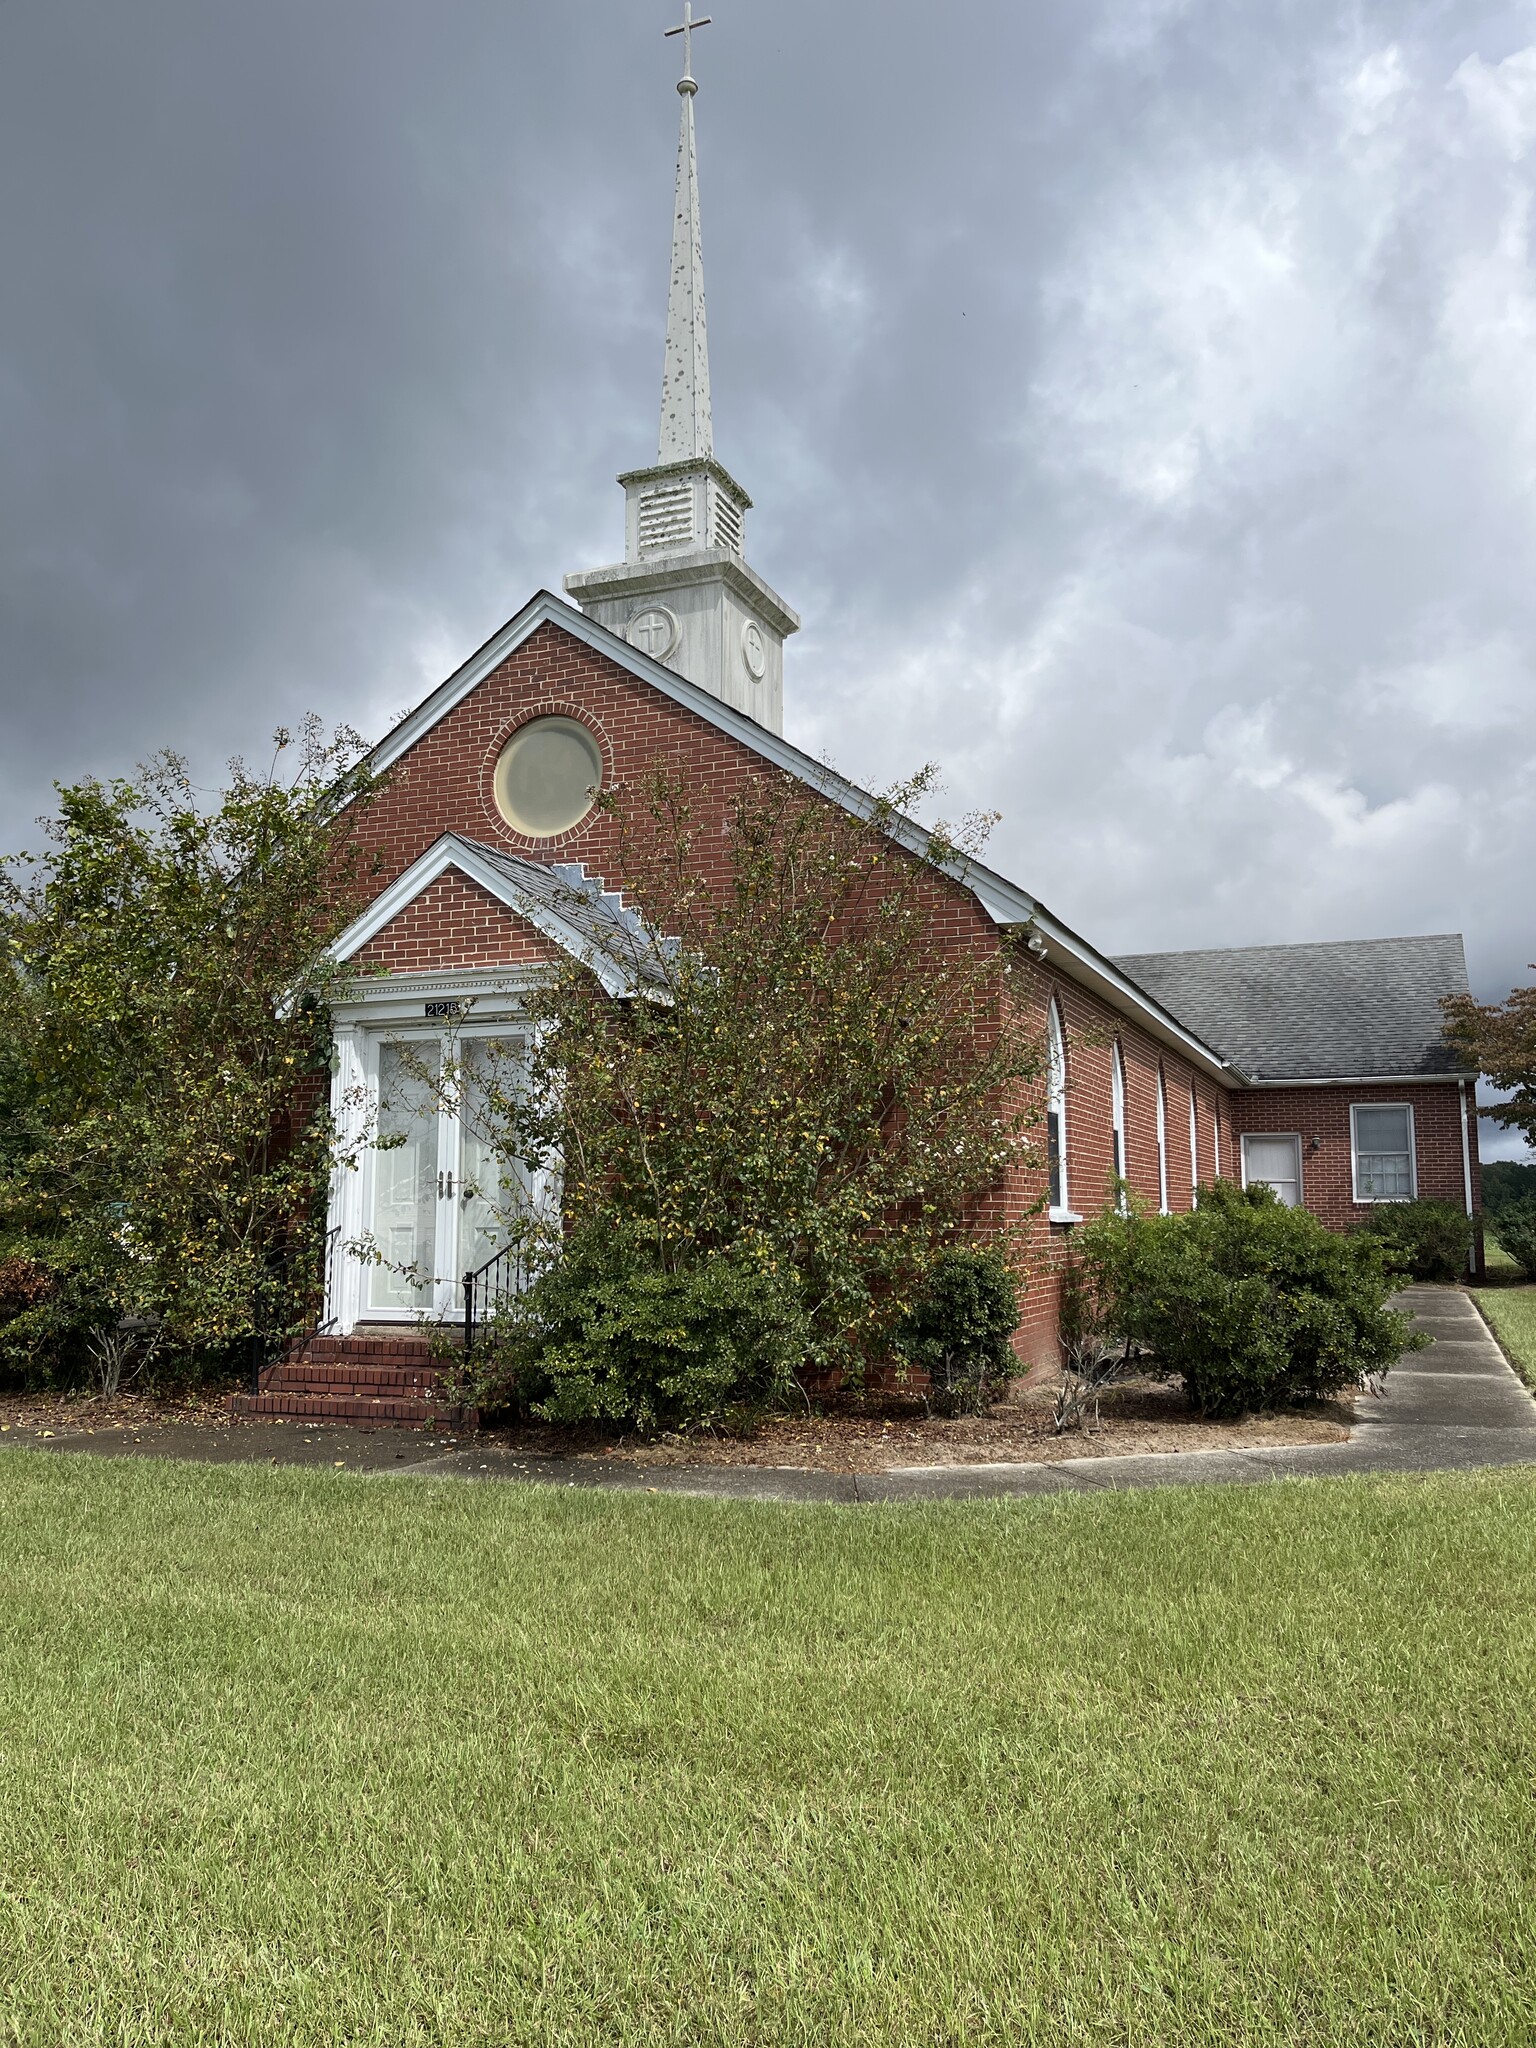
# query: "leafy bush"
[[1252, 1304], [959, 1329], [24, 1284], [605, 1334], [164, 977], [1516, 1232], [1424, 1240], [818, 1080]]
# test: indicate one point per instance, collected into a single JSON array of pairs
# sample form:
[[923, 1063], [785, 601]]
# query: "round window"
[[548, 775]]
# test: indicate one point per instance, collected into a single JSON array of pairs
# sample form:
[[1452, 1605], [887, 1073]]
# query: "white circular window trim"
[[754, 650], [655, 631], [548, 775]]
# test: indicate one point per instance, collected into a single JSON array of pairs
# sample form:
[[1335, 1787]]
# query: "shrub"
[[817, 1080], [24, 1284], [605, 1334], [1250, 1303], [1516, 1232], [959, 1329], [1424, 1240]]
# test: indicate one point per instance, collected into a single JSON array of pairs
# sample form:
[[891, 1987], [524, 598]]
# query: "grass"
[[1512, 1313], [289, 1757]]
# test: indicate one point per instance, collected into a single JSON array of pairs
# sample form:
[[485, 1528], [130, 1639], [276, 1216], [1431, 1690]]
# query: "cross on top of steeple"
[[685, 29]]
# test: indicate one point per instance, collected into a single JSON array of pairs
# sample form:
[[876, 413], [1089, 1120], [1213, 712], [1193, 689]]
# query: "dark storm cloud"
[[1137, 396]]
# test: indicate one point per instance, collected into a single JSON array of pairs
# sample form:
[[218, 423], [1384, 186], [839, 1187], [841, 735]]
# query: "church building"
[[1319, 1069]]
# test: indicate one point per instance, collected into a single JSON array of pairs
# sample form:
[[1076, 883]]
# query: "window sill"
[[1063, 1216]]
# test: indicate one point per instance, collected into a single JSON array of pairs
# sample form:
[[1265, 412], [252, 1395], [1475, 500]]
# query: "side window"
[[1162, 1140], [1117, 1122], [1194, 1149], [1056, 1106], [1381, 1136], [1274, 1157]]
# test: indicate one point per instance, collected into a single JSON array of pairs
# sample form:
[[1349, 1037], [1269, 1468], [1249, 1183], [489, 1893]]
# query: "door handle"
[[445, 1186]]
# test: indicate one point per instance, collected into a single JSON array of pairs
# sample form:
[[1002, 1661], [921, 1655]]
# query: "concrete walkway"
[[1454, 1407]]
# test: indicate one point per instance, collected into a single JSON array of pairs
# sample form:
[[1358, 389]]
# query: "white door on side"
[[1277, 1162], [407, 1186]]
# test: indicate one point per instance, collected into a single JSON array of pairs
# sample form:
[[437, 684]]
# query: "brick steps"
[[357, 1411], [363, 1382]]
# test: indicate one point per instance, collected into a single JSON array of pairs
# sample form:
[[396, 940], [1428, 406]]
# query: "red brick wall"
[[445, 782], [1092, 1030], [454, 923], [1322, 1114]]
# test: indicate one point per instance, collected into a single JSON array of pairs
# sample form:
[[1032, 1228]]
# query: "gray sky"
[[1139, 397]]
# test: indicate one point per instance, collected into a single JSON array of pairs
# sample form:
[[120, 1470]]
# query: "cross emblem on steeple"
[[685, 29]]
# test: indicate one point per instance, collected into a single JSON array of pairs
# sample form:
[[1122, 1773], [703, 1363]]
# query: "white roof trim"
[[1005, 903], [1366, 1080], [452, 852]]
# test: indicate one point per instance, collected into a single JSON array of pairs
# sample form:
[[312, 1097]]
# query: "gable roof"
[[570, 907], [1366, 1009], [1008, 906]]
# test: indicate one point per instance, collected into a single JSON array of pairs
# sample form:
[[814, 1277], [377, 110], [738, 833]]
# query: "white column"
[[350, 1113]]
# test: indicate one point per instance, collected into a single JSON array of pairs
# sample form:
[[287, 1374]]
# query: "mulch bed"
[[877, 1436], [1135, 1419]]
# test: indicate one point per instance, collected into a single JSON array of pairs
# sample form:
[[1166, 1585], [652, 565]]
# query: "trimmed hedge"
[[1251, 1304]]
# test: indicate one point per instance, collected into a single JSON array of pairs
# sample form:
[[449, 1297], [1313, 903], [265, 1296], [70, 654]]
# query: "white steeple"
[[683, 592], [687, 426]]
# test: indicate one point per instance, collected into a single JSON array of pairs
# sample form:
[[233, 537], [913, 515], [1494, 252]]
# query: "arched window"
[[1117, 1122], [1194, 1149], [1216, 1138], [1056, 1106], [1162, 1141]]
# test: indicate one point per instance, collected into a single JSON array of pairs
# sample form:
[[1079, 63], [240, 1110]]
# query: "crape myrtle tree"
[[766, 1148], [164, 1030], [1499, 1039]]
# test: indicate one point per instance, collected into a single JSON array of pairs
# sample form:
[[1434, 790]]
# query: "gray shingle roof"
[[597, 916], [1309, 1013]]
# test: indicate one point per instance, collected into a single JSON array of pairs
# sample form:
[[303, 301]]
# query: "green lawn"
[[1512, 1312], [292, 1757]]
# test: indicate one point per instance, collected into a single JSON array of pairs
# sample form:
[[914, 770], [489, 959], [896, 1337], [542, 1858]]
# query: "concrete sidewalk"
[[1454, 1407]]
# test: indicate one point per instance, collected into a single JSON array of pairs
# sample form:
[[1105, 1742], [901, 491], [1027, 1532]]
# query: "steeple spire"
[[687, 425], [683, 593]]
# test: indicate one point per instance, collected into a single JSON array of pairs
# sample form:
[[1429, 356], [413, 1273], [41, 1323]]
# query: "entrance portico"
[[422, 1197]]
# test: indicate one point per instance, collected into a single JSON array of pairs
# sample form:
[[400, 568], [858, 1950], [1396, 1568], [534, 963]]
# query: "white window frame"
[[1060, 1210], [1118, 1153], [1162, 1142], [1194, 1148], [1370, 1201], [1301, 1159], [1216, 1140]]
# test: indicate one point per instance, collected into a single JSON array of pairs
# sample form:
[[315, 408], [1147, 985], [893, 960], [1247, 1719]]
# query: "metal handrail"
[[330, 1301], [486, 1289]]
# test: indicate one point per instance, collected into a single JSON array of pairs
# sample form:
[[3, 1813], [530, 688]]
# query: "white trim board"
[[1367, 1080], [1008, 906]]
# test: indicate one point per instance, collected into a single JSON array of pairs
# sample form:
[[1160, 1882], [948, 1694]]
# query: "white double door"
[[440, 1197]]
